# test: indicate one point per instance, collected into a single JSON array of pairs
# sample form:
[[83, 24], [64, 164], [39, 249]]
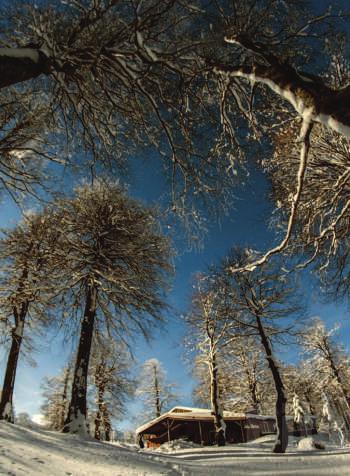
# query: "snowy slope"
[[25, 451], [35, 451]]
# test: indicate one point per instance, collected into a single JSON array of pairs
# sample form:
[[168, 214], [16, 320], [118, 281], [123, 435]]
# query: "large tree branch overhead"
[[21, 64], [308, 94], [116, 76]]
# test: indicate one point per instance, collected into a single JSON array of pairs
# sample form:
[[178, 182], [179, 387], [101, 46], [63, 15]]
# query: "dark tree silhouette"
[[29, 271], [116, 264]]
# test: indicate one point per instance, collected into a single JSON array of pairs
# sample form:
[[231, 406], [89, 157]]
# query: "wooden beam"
[[242, 431], [200, 432]]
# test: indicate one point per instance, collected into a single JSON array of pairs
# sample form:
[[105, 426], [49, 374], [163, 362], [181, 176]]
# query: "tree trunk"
[[107, 423], [343, 413], [157, 392], [311, 407], [77, 412], [339, 379], [21, 64], [64, 398], [6, 403], [214, 400], [254, 396], [281, 442], [100, 409], [98, 419]]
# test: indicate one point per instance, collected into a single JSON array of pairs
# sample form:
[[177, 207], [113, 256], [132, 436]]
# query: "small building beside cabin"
[[197, 425]]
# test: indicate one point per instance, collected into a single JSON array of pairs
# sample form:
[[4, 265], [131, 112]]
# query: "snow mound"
[[310, 444], [176, 445], [263, 439]]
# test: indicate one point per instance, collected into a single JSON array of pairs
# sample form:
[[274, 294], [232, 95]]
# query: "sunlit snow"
[[35, 451]]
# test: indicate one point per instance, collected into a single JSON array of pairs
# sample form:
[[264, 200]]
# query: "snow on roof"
[[202, 411], [187, 410], [189, 413]]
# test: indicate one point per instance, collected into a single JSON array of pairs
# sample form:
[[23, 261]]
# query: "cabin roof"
[[189, 413]]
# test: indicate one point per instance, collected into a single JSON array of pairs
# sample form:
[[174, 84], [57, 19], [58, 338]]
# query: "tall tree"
[[55, 392], [116, 263], [210, 330], [247, 374], [244, 382], [165, 73], [154, 389], [110, 372], [29, 271], [304, 381], [263, 296], [328, 360]]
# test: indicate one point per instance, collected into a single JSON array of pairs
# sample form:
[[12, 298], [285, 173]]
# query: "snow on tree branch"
[[307, 94], [305, 132]]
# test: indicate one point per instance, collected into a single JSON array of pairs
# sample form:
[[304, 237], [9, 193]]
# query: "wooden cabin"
[[197, 425]]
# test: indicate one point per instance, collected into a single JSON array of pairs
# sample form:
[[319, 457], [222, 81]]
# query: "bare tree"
[[118, 75], [263, 296], [110, 372], [243, 381], [247, 374], [29, 271], [176, 75], [329, 361], [154, 389], [114, 75], [27, 151], [210, 330], [55, 393], [304, 381], [116, 264], [297, 98]]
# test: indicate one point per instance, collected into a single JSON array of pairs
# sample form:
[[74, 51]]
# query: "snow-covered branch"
[[306, 93], [305, 132]]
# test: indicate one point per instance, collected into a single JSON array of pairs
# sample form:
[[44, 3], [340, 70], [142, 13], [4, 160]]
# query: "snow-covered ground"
[[34, 451]]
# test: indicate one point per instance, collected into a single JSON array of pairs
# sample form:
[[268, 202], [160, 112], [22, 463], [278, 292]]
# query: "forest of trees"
[[204, 92]]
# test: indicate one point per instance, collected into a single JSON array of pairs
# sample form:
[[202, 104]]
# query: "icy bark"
[[77, 412], [21, 64], [281, 442]]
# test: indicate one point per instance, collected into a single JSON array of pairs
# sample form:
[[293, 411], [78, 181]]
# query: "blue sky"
[[247, 224]]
